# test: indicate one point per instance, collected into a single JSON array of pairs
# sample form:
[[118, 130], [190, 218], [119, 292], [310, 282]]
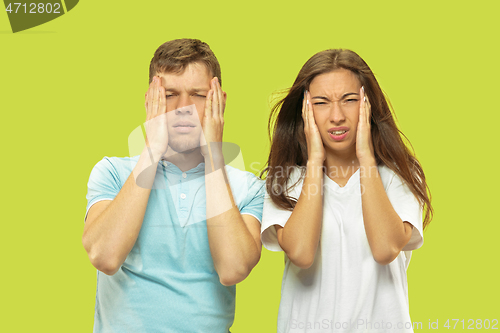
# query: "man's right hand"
[[112, 226], [156, 118]]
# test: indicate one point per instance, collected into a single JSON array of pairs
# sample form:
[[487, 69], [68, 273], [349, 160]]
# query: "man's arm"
[[112, 227], [234, 239]]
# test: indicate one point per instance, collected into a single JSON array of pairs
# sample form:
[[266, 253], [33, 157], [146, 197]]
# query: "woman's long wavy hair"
[[289, 146]]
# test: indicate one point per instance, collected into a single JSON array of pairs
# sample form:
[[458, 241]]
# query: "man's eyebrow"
[[191, 90]]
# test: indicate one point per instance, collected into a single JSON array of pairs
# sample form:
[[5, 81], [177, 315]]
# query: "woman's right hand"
[[315, 148], [156, 118]]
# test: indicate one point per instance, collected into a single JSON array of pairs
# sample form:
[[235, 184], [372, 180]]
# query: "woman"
[[345, 201]]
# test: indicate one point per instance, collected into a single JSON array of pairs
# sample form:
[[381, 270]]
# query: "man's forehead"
[[194, 75], [192, 72]]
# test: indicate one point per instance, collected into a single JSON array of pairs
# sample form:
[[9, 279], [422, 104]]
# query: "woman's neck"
[[341, 166]]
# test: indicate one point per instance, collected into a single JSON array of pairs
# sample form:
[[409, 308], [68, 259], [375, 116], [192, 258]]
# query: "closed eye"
[[318, 103], [200, 95]]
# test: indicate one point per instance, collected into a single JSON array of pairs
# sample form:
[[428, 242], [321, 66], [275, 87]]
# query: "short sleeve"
[[104, 183], [255, 198], [408, 208], [273, 215]]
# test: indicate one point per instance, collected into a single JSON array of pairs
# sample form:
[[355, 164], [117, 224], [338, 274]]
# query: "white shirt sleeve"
[[273, 215], [408, 208]]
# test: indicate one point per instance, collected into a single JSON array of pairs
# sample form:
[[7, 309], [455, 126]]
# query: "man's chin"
[[183, 147]]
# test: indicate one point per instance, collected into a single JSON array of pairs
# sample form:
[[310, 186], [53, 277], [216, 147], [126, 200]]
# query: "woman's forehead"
[[337, 82]]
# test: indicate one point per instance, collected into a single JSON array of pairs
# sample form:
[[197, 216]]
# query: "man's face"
[[185, 96]]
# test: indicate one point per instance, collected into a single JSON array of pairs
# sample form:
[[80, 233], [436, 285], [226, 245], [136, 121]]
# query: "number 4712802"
[[472, 324], [34, 8]]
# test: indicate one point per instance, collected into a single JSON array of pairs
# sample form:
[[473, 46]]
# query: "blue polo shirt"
[[168, 282]]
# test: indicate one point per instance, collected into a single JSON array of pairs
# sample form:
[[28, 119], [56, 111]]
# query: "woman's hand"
[[315, 148], [364, 144]]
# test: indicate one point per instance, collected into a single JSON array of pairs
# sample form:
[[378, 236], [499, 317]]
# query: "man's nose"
[[181, 107]]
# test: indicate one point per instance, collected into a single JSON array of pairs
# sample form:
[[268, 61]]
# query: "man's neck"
[[185, 160]]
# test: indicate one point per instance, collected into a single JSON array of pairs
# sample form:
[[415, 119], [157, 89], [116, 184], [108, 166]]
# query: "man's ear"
[[224, 103]]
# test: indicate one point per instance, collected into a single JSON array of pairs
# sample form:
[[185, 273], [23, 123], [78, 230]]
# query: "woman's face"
[[335, 100]]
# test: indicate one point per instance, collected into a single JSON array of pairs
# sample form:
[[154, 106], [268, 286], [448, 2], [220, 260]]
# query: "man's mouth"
[[184, 127], [184, 124]]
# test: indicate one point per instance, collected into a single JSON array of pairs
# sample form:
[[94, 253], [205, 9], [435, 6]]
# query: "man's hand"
[[156, 118], [213, 119]]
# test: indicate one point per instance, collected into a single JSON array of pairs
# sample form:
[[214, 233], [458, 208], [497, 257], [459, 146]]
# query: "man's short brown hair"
[[175, 55]]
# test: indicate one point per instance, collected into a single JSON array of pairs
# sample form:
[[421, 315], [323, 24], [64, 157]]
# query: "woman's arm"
[[387, 234], [299, 237]]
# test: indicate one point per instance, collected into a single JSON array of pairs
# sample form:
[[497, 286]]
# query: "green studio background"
[[72, 90]]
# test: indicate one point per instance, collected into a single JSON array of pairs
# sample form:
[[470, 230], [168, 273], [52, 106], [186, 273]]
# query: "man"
[[173, 229]]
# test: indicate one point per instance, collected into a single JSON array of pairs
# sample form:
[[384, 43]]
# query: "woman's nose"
[[336, 113]]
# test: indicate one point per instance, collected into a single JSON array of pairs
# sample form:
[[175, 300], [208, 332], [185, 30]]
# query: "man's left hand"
[[213, 120]]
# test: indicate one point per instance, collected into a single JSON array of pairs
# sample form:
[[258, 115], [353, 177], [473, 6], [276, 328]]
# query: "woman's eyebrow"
[[349, 94], [320, 97], [327, 99]]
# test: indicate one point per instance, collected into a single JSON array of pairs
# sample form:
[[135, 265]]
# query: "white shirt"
[[345, 289]]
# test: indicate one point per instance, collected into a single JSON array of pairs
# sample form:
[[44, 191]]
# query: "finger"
[[150, 99], [368, 110], [221, 99], [156, 96], [163, 100], [362, 104], [306, 111], [310, 111], [208, 105], [215, 100]]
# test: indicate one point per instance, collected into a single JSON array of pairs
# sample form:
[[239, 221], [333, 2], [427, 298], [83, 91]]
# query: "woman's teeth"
[[337, 132]]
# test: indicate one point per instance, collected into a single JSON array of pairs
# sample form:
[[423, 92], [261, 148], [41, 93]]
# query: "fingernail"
[[363, 88]]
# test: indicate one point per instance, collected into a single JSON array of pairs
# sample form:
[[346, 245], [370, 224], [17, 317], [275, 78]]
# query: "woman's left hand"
[[364, 144]]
